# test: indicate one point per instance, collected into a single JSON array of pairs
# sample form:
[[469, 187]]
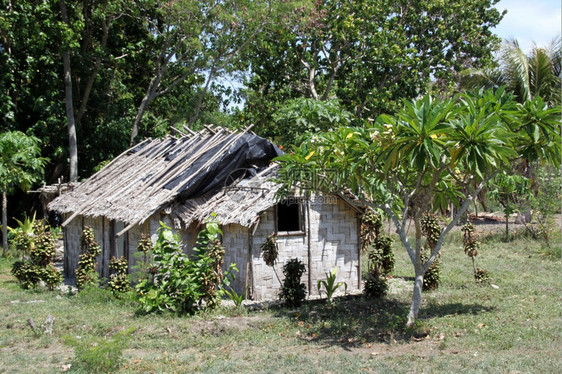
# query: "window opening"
[[289, 216]]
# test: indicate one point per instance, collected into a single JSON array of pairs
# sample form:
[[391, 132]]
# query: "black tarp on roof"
[[245, 156]]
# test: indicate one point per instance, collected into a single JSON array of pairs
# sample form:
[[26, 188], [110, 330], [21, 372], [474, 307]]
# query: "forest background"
[[90, 78]]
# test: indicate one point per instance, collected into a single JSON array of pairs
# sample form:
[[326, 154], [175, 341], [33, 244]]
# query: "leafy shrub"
[[431, 230], [99, 355], [376, 286], [119, 281], [432, 277], [26, 273], [44, 249], [471, 247], [86, 274], [23, 235], [40, 245], [51, 276], [180, 284], [376, 243], [293, 292]]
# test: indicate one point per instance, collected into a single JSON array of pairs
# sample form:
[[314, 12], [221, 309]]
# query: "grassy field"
[[511, 325]]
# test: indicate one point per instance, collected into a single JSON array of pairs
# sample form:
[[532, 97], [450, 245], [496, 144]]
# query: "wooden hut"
[[182, 181]]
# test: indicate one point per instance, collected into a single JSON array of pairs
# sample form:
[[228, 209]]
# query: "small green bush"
[[181, 284], [376, 286], [86, 274], [39, 244], [432, 277], [293, 292], [431, 231], [27, 274], [119, 281], [99, 355]]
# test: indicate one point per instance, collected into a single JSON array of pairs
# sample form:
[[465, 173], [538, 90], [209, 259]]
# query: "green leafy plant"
[[376, 243], [20, 167], [293, 292], [330, 285], [26, 273], [431, 230], [119, 281], [99, 355], [38, 266], [23, 235], [432, 277], [235, 297], [379, 252], [181, 284], [86, 274], [376, 286], [51, 276]]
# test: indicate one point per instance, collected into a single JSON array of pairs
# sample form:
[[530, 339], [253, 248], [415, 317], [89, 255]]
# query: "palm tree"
[[527, 76]]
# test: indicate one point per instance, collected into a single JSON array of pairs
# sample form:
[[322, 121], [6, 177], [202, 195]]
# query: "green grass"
[[463, 327]]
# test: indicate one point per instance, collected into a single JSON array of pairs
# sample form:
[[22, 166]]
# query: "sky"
[[530, 21]]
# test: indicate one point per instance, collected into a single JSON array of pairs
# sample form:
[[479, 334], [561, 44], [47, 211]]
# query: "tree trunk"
[[416, 297], [506, 227], [147, 99], [202, 97], [72, 147], [4, 221]]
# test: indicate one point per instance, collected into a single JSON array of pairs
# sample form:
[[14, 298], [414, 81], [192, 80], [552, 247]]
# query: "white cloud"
[[536, 21]]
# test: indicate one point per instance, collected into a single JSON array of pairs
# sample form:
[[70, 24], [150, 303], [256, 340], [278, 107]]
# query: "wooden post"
[[250, 292], [309, 245], [103, 246], [66, 260], [359, 268]]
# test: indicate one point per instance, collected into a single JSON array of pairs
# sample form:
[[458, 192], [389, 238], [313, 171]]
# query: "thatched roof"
[[240, 203], [170, 173]]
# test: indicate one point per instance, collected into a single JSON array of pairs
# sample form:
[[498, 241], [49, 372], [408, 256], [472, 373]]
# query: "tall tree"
[[431, 153], [369, 54], [538, 73], [199, 41], [20, 166], [68, 100]]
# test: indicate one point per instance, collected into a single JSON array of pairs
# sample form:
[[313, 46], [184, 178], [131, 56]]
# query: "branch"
[[463, 209], [401, 232]]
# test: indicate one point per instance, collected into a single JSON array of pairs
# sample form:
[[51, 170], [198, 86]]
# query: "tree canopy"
[[20, 167], [431, 153], [368, 54]]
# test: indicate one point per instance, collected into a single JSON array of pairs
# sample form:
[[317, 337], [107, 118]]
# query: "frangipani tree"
[[20, 166], [430, 153]]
